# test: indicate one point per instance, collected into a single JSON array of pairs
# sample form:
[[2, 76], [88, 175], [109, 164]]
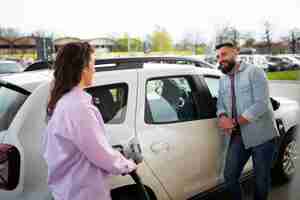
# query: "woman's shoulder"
[[75, 99]]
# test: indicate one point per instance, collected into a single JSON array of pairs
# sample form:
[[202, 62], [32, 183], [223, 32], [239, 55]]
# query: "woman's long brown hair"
[[70, 61]]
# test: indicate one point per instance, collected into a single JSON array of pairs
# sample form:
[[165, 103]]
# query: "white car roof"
[[7, 61], [31, 79], [183, 68], [28, 80]]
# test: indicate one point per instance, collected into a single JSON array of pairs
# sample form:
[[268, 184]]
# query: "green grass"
[[286, 75]]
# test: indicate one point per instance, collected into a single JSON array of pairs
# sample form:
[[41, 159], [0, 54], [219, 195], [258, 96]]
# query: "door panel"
[[113, 98], [182, 150]]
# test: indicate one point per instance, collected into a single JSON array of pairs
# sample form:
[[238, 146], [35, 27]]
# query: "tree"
[[268, 35], [294, 39], [228, 34], [125, 44], [43, 33], [136, 44], [161, 40], [187, 42], [193, 41], [249, 42], [235, 35]]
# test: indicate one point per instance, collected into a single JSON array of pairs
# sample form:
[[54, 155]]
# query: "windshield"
[[11, 101], [10, 68]]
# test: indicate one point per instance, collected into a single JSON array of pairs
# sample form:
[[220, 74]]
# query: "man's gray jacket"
[[252, 102]]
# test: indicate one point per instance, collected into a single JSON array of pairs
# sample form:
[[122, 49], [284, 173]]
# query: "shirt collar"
[[242, 66], [240, 69], [86, 96]]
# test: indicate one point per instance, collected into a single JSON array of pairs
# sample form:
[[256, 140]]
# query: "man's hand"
[[242, 120], [226, 123]]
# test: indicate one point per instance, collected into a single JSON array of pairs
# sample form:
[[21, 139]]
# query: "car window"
[[213, 85], [10, 68], [287, 59], [11, 101], [170, 100], [274, 59], [111, 100]]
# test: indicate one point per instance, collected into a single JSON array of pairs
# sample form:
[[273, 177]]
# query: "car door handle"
[[160, 147]]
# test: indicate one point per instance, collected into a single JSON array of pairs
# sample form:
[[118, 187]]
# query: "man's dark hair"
[[225, 44]]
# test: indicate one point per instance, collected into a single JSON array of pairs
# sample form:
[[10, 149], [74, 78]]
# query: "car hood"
[[286, 101], [288, 112]]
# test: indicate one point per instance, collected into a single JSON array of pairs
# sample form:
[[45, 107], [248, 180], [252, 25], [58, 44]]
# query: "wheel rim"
[[290, 157]]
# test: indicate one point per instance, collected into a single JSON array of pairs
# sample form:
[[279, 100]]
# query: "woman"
[[78, 155]]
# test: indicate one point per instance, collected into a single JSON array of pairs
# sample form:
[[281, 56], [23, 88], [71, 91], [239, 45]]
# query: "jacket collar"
[[242, 67]]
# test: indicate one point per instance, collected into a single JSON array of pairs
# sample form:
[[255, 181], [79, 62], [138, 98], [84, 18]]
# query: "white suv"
[[167, 111]]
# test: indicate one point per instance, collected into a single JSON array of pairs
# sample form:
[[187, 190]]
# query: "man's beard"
[[228, 68]]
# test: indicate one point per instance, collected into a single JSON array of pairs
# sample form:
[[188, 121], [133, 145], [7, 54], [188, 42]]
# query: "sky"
[[95, 18]]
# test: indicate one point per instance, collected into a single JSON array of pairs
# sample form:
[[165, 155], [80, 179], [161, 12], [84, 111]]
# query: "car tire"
[[285, 165]]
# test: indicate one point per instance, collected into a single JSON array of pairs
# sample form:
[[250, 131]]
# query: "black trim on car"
[[104, 101], [138, 62], [39, 65], [159, 59], [127, 63], [206, 103], [14, 87]]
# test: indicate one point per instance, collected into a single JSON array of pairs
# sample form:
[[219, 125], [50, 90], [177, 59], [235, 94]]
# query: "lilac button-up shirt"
[[76, 150]]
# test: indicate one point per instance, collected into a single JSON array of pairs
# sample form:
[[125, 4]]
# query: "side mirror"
[[10, 161], [275, 104]]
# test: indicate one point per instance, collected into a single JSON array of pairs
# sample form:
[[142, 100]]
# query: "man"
[[245, 115]]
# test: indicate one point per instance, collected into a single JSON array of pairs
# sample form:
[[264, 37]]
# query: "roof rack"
[[137, 62], [108, 64], [39, 65]]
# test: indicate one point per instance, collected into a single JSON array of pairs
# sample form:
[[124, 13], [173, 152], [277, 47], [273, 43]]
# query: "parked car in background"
[[277, 64], [297, 57], [294, 62], [257, 60], [7, 67], [211, 59], [204, 63]]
